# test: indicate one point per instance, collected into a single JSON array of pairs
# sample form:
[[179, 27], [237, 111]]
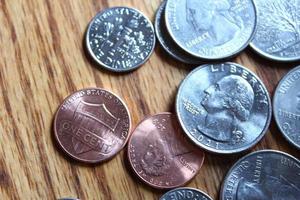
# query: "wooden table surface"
[[43, 60]]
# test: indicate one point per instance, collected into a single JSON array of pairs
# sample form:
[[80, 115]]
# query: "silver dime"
[[224, 108], [185, 193], [120, 39], [286, 106], [263, 175], [211, 29], [278, 29], [167, 42]]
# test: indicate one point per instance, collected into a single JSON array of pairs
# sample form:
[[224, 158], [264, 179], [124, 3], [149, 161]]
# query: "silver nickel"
[[278, 30], [224, 108], [210, 29], [286, 106], [167, 42], [185, 193], [120, 39], [263, 175]]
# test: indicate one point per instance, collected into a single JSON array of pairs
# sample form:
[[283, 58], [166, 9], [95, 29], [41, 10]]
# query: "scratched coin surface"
[[92, 125], [211, 29], [286, 106], [185, 193], [120, 39], [167, 42], [224, 108], [263, 175], [160, 154], [278, 29]]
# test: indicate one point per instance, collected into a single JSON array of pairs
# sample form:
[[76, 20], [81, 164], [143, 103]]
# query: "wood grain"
[[43, 60]]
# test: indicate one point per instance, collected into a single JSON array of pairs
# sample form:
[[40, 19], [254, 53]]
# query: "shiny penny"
[[160, 155], [263, 175], [278, 29], [167, 43], [224, 108], [185, 193], [286, 106], [120, 39], [92, 125], [210, 29]]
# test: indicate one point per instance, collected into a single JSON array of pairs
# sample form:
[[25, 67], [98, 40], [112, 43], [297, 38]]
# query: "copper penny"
[[160, 154], [92, 125]]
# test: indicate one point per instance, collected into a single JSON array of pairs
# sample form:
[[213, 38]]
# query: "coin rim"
[[99, 62], [214, 150], [85, 160], [209, 58], [159, 18], [186, 188], [137, 174], [251, 154], [275, 99]]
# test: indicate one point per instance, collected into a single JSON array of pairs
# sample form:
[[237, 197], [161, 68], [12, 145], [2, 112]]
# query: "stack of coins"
[[222, 108]]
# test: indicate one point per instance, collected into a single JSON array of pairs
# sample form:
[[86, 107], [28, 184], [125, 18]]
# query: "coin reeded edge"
[[212, 150], [101, 63], [275, 106], [248, 155]]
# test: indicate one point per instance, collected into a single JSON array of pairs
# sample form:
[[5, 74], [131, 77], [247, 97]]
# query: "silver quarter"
[[120, 39], [167, 43], [263, 175], [211, 29], [278, 29], [224, 108], [185, 193], [286, 106]]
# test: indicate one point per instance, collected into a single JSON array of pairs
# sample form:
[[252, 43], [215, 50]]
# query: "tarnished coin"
[[263, 175], [211, 29], [278, 29], [167, 42], [185, 193], [224, 108], [160, 155], [120, 39], [286, 106], [92, 125]]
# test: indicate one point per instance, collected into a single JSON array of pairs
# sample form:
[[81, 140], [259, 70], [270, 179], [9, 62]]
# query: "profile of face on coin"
[[263, 175], [211, 29], [92, 125], [223, 108], [120, 39], [286, 106], [278, 29], [185, 193], [160, 155]]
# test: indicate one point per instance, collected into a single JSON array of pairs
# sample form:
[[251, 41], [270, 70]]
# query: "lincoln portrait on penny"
[[214, 17], [228, 102]]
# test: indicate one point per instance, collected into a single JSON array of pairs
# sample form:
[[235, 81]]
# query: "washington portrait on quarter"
[[223, 108]]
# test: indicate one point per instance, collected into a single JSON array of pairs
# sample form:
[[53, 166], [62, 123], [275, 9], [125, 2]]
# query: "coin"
[[224, 108], [120, 39], [160, 155], [278, 29], [167, 42], [263, 175], [210, 29], [92, 125], [286, 106], [185, 193]]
